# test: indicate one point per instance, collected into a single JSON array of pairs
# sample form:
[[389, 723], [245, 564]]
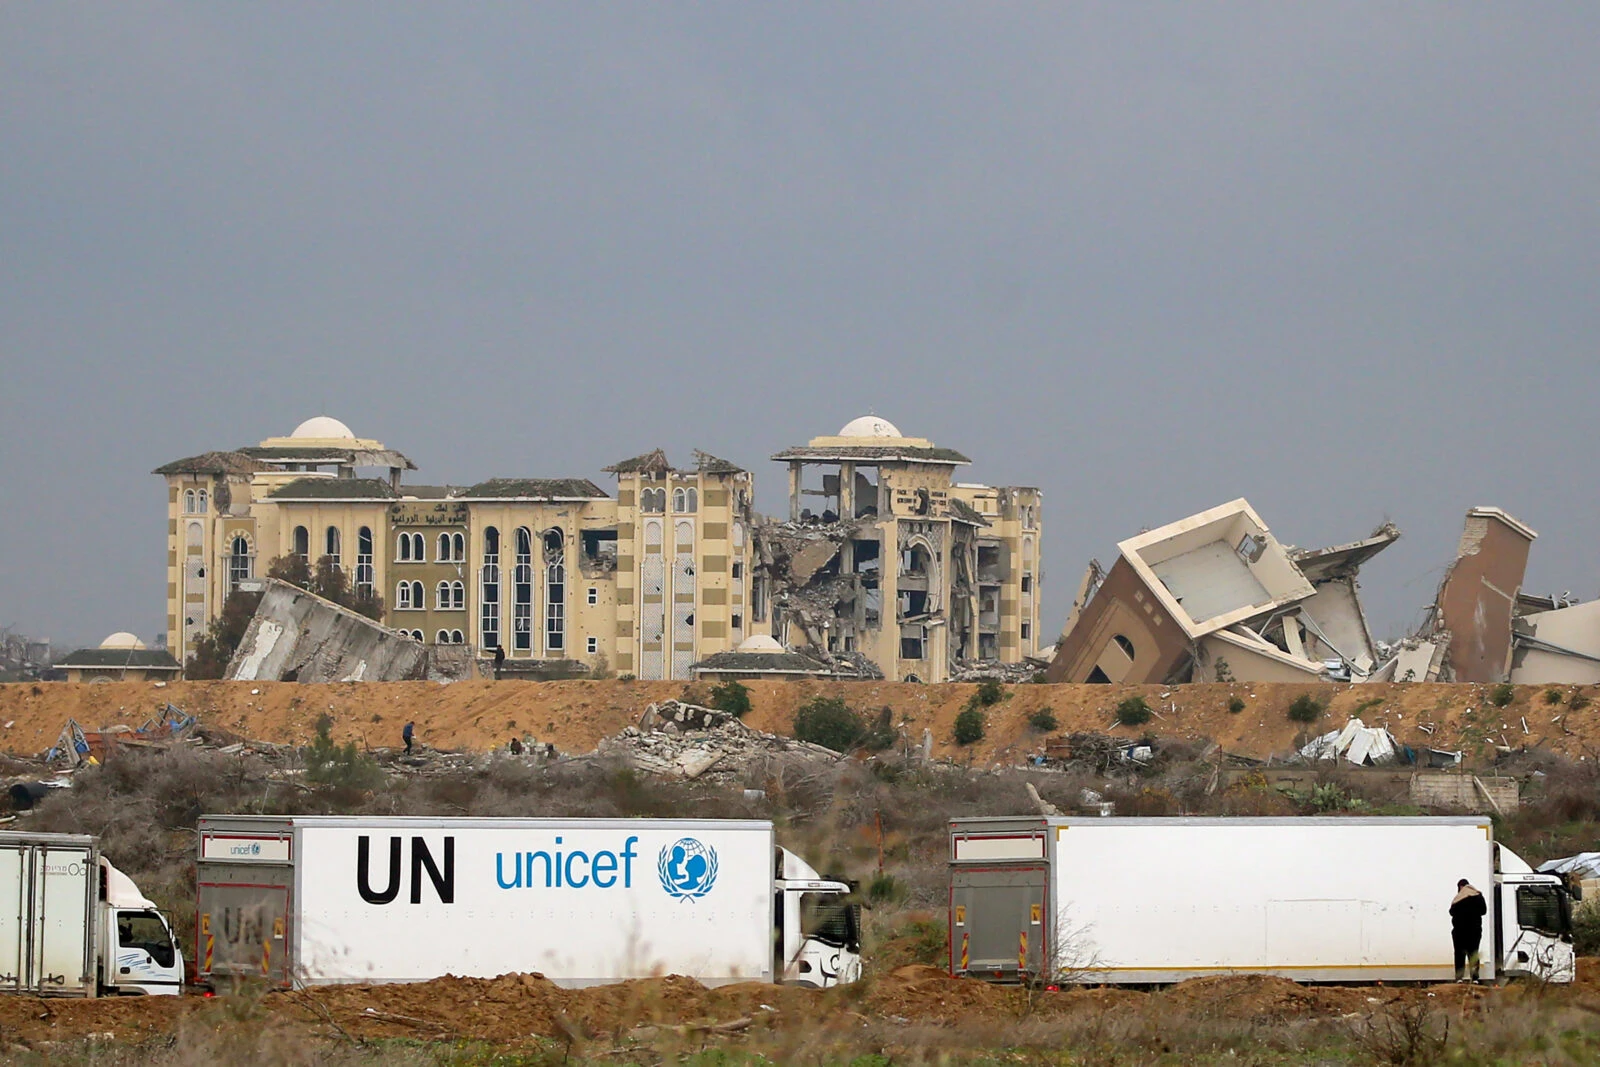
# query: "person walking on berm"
[[410, 730], [1466, 928]]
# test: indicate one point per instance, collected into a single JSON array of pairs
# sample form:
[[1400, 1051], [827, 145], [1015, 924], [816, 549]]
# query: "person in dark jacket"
[[407, 734], [1466, 928]]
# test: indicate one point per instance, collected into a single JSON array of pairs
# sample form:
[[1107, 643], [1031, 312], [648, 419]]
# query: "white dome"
[[870, 426], [322, 427], [122, 639], [759, 643]]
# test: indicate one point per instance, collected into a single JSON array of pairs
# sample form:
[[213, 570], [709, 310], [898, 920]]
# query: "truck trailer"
[[320, 899], [81, 927], [1157, 900]]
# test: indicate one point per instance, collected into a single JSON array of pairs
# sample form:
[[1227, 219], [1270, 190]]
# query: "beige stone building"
[[675, 568]]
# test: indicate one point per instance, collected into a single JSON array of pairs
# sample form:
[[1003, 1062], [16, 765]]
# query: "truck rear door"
[[997, 928], [244, 932], [13, 917]]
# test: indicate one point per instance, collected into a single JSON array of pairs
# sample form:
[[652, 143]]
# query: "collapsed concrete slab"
[[1477, 599], [298, 636]]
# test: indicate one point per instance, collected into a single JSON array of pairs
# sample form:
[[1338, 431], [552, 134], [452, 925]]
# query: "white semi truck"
[[1144, 900], [319, 900], [72, 925]]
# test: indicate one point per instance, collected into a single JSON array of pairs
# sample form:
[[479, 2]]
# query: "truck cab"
[[818, 930], [138, 954], [1532, 921]]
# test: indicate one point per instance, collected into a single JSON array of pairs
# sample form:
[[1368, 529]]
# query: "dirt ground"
[[513, 1009], [576, 715]]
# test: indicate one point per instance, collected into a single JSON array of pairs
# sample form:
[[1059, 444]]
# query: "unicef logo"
[[688, 868]]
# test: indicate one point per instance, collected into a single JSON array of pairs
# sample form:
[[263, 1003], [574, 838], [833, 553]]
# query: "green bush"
[[880, 733], [829, 722], [732, 698], [1306, 708], [1502, 694], [1586, 928], [1235, 705], [329, 764], [1552, 696], [1133, 712], [886, 889], [990, 692], [969, 727], [1578, 702], [1043, 720]]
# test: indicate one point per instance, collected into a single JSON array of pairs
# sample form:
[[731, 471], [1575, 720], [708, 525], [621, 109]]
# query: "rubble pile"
[[691, 742]]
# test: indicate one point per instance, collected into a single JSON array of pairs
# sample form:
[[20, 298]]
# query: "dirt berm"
[[576, 715]]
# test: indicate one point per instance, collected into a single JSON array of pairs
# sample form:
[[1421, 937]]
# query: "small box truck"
[[1157, 900], [320, 900], [72, 925]]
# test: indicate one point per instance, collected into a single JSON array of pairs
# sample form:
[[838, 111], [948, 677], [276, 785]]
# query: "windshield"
[[1539, 908], [145, 930], [825, 917]]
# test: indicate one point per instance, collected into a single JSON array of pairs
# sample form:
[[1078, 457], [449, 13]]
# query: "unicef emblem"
[[688, 868]]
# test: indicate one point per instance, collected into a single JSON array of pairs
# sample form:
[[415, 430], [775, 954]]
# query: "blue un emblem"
[[688, 868]]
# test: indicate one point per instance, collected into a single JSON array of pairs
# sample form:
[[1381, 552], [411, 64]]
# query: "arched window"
[[1124, 644], [441, 601], [332, 544], [522, 593], [417, 600], [188, 502], [364, 560], [555, 593], [416, 635], [679, 500], [241, 564], [653, 500], [442, 637], [694, 501], [458, 546], [418, 548], [489, 601], [402, 596], [458, 595], [402, 552], [202, 501], [444, 548], [457, 637], [302, 542]]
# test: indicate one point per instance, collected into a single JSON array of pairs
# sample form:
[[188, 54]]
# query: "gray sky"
[[1338, 259]]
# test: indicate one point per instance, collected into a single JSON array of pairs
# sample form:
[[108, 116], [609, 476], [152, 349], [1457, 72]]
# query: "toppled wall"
[[1477, 599], [297, 636]]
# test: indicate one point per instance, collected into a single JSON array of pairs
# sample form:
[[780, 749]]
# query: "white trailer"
[[1135, 900], [72, 925], [320, 900]]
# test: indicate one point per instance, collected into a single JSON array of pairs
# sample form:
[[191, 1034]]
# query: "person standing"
[[407, 734], [499, 661], [1466, 928]]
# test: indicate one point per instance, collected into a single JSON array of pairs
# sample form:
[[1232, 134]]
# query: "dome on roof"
[[122, 639], [870, 426], [759, 643], [322, 427]]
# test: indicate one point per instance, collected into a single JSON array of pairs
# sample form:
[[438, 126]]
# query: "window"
[[402, 551], [416, 635], [417, 600], [522, 593], [402, 596], [332, 542], [417, 554], [594, 596], [442, 637], [302, 542], [738, 569], [457, 637], [441, 599], [653, 500], [458, 547], [1126, 646], [1027, 583], [738, 622], [1250, 547], [555, 594], [458, 595], [1541, 908], [364, 560], [489, 602], [240, 563], [1027, 631], [188, 502], [145, 930], [202, 501], [593, 645]]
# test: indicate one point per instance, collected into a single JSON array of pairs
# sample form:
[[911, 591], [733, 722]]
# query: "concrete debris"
[[298, 636], [1009, 673], [1096, 750], [1216, 598], [1357, 743], [686, 741]]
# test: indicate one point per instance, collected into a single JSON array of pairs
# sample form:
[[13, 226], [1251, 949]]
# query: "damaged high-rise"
[[886, 558]]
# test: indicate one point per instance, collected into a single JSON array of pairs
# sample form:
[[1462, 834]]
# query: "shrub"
[[990, 692], [1043, 720], [885, 889], [1552, 696], [1502, 694], [1586, 928], [1578, 702], [732, 698], [1235, 705], [328, 764], [829, 722], [969, 727], [880, 733], [1306, 708], [1133, 712]]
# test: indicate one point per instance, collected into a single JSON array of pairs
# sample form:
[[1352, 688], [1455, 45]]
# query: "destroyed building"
[[887, 558], [1216, 597], [555, 571]]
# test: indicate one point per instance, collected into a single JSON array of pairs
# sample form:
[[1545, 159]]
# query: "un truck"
[[72, 925], [1158, 900], [322, 900]]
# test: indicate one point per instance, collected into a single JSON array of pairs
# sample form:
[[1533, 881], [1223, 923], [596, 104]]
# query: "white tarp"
[[1587, 864], [1357, 742]]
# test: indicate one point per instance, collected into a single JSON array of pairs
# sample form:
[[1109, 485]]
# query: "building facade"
[[558, 573]]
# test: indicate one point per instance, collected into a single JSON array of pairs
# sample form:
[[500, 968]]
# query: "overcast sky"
[[1338, 259]]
